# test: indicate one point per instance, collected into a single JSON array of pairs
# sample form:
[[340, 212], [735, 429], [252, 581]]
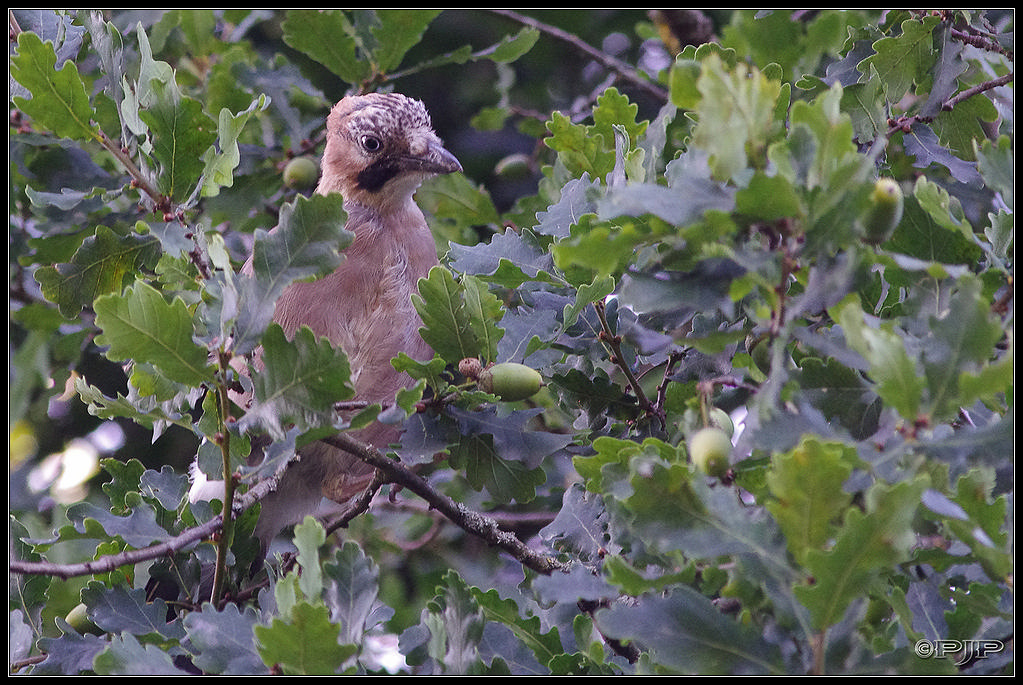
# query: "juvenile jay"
[[379, 149]]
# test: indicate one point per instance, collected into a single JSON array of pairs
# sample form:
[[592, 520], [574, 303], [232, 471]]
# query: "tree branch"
[[470, 521], [356, 506]]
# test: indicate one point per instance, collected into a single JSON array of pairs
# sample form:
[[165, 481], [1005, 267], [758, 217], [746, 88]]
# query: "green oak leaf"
[[397, 32], [307, 644], [807, 486], [866, 543], [687, 633], [59, 101], [894, 372], [459, 317], [327, 36], [735, 117], [103, 264], [141, 325], [903, 59], [300, 381], [306, 244], [505, 480], [182, 133]]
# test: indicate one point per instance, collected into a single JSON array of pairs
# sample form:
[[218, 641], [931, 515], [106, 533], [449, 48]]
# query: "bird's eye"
[[370, 143]]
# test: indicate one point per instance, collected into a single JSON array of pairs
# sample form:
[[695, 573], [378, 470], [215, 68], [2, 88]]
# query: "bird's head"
[[380, 147]]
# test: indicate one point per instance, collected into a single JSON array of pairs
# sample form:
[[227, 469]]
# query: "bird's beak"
[[432, 158], [443, 161]]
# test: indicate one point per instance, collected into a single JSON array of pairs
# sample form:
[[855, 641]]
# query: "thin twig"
[[613, 343], [223, 439], [609, 62], [160, 201], [674, 358], [905, 123], [473, 522], [356, 506], [164, 549], [977, 89], [980, 41], [110, 563], [13, 28]]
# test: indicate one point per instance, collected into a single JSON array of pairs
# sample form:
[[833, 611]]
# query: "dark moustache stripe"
[[376, 175]]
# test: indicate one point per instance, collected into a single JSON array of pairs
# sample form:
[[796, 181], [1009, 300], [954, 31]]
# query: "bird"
[[379, 148]]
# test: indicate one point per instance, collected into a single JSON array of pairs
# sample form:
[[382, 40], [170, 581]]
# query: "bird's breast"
[[365, 307], [380, 324]]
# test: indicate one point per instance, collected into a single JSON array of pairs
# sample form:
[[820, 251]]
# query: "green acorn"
[[510, 381], [719, 418], [709, 450], [301, 172], [514, 166], [78, 618], [884, 212]]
